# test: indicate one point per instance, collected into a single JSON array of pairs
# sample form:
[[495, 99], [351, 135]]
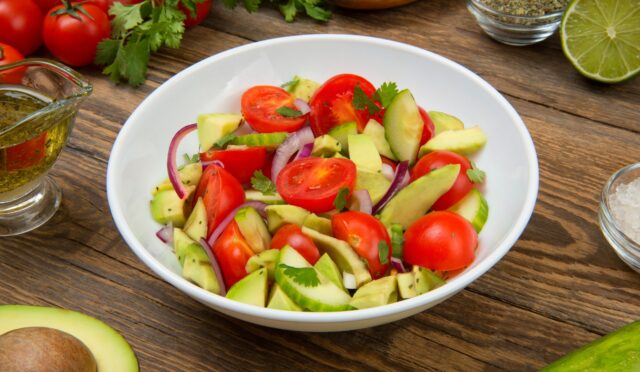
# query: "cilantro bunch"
[[289, 8]]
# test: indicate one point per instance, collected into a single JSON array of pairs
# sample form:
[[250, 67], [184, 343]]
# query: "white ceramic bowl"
[[138, 158]]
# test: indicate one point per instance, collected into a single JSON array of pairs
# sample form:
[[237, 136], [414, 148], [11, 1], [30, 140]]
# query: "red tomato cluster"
[[70, 30]]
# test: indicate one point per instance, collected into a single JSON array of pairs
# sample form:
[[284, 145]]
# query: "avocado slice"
[[363, 152], [302, 88], [341, 133], [252, 289], [330, 270], [110, 350], [443, 121], [425, 280], [407, 285], [342, 254], [280, 301], [375, 183], [376, 293], [267, 259], [253, 229], [324, 296], [167, 207], [195, 263], [403, 126], [196, 225], [464, 141], [474, 208], [375, 131], [414, 200], [212, 127], [320, 224], [255, 195], [184, 246], [325, 146], [280, 215], [189, 175]]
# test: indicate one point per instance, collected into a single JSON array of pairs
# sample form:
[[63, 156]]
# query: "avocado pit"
[[34, 349]]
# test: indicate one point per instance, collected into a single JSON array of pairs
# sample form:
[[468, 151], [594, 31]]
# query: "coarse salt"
[[625, 207]]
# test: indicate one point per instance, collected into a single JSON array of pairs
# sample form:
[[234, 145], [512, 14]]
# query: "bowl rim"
[[230, 306]]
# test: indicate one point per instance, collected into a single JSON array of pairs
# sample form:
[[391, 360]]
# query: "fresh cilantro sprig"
[[191, 158], [383, 252], [475, 175], [263, 184], [386, 93], [362, 101], [291, 85], [341, 199], [305, 276], [288, 112]]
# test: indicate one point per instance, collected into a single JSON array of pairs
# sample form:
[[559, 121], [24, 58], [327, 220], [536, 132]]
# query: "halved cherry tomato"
[[440, 241], [364, 233], [332, 105], [202, 11], [268, 164], [26, 154], [293, 236], [313, 183], [241, 163], [428, 130], [259, 105], [438, 159], [221, 194], [9, 54], [232, 253]]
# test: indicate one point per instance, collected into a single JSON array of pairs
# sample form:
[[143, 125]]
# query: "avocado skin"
[[110, 350]]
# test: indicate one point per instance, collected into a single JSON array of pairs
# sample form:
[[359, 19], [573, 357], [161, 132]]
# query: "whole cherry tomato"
[[9, 54], [293, 236], [21, 25], [441, 241], [74, 40], [365, 235], [232, 253], [438, 159], [202, 11]]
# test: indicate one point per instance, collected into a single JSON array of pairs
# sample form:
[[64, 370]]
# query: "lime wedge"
[[601, 38]]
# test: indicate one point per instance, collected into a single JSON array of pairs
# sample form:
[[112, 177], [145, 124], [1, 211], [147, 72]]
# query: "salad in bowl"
[[323, 196]]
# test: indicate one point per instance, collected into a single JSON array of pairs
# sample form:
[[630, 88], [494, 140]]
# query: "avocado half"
[[110, 350]]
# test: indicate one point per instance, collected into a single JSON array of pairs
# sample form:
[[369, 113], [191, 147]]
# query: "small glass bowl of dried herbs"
[[518, 22]]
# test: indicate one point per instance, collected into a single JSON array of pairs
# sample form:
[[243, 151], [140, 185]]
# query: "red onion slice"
[[400, 179], [172, 167], [365, 204], [398, 265], [387, 171], [214, 266], [206, 163], [302, 106], [165, 234], [284, 152], [305, 151], [259, 206], [243, 129]]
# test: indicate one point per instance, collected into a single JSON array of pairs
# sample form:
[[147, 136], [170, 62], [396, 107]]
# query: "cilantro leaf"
[[263, 184], [341, 199], [137, 58], [385, 93], [397, 240], [361, 101], [475, 175], [383, 252], [251, 5], [125, 17], [290, 85], [191, 6], [191, 158], [288, 112], [305, 276], [316, 12], [107, 51], [222, 142]]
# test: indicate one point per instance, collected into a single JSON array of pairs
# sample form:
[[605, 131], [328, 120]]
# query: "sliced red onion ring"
[[305, 151], [400, 179], [302, 106], [398, 265], [243, 129], [206, 163], [387, 171], [349, 280], [259, 206], [172, 168], [365, 204], [165, 234], [284, 152], [214, 266]]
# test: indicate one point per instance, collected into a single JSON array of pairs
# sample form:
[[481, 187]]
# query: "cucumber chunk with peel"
[[474, 208], [403, 126]]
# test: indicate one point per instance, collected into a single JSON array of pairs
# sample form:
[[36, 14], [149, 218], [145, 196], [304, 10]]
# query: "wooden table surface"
[[559, 287]]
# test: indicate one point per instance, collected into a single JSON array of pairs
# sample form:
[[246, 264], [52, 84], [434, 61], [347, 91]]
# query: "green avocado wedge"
[[252, 289], [323, 296], [110, 350]]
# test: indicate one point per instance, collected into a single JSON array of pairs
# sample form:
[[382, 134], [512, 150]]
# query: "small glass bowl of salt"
[[619, 214]]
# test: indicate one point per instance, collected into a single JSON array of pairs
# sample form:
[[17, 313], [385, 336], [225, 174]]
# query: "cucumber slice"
[[325, 296], [341, 133], [403, 126], [268, 140], [255, 195], [474, 208]]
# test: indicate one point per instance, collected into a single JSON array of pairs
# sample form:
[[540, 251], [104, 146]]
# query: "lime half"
[[602, 38]]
